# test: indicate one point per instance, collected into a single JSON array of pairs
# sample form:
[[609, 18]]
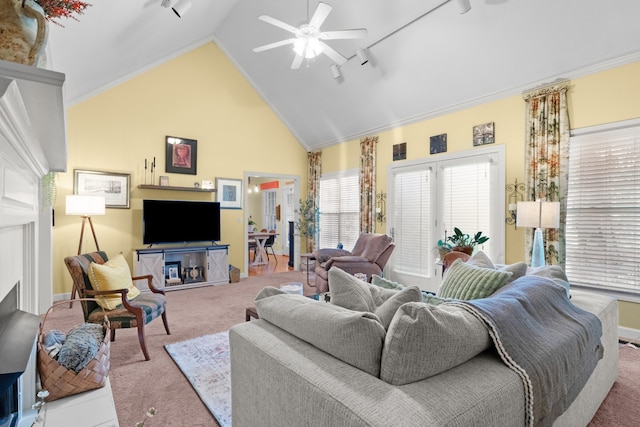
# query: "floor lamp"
[[538, 215], [86, 207]]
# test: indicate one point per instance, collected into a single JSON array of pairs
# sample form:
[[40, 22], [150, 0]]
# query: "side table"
[[309, 257], [249, 313]]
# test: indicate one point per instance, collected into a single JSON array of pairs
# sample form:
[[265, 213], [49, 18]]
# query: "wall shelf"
[[167, 187]]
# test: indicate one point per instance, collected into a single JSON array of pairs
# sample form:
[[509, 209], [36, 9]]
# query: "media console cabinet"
[[184, 267]]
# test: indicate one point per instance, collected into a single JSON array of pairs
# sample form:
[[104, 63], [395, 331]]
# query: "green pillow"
[[385, 283], [465, 282]]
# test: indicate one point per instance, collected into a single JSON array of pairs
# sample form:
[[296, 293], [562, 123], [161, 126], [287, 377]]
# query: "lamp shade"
[[85, 205], [538, 214]]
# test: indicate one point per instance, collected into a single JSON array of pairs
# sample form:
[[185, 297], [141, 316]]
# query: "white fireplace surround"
[[32, 143]]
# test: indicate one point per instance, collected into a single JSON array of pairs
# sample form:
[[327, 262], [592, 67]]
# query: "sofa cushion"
[[354, 337], [465, 281], [427, 297], [552, 272], [480, 259], [113, 274], [424, 340], [355, 294]]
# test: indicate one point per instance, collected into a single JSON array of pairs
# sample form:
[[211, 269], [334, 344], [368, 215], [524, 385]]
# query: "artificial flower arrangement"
[[54, 9]]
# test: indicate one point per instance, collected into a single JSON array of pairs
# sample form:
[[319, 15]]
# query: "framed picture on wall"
[[181, 155], [229, 193], [483, 134], [115, 187]]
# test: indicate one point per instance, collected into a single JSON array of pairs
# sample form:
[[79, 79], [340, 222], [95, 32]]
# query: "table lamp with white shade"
[[538, 215], [86, 207]]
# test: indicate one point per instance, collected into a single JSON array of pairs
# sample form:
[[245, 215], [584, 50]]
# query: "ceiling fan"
[[309, 39]]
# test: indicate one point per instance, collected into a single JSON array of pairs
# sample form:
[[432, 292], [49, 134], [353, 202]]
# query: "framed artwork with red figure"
[[182, 155]]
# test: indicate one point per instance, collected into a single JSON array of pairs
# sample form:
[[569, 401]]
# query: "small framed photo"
[[115, 187], [483, 134], [181, 156], [400, 151], [438, 144], [164, 181], [173, 271], [229, 193]]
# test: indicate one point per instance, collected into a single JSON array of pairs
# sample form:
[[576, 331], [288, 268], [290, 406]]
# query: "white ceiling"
[[440, 62]]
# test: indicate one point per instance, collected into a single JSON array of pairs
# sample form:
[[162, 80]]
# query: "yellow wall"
[[600, 98], [199, 95], [213, 103]]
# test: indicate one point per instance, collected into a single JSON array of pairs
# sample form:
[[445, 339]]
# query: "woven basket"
[[62, 382]]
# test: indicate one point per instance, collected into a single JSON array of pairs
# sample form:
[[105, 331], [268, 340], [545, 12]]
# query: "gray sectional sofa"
[[311, 363]]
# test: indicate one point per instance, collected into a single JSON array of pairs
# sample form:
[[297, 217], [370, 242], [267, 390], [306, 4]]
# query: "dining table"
[[260, 237]]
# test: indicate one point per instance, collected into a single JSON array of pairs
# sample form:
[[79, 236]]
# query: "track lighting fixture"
[[464, 5], [181, 7], [335, 71], [362, 56]]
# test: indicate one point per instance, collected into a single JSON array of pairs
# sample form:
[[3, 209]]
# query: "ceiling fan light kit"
[[309, 40]]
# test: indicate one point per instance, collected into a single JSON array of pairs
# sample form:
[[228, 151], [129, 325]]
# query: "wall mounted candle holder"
[[515, 194]]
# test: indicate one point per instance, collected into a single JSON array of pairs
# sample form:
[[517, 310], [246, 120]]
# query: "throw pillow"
[[354, 337], [465, 281], [355, 294], [385, 283], [480, 259], [553, 272], [113, 274], [424, 340]]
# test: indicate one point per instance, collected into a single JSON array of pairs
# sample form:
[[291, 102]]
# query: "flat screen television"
[[179, 221]]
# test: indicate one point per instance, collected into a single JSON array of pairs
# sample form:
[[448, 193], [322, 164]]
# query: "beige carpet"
[[138, 385]]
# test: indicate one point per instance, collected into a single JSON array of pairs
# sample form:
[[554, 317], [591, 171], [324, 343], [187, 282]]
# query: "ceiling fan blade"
[[333, 54], [278, 23], [321, 13], [297, 61], [273, 45], [344, 34]]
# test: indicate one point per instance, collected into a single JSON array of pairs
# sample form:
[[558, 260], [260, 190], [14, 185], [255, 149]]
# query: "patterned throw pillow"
[[464, 281], [113, 274], [355, 294]]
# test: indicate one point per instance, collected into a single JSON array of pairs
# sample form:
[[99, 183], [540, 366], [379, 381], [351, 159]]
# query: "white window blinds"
[[603, 210], [466, 197], [412, 222], [339, 209]]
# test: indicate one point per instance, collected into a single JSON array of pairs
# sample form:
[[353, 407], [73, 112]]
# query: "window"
[[603, 210], [269, 198], [429, 197], [339, 209]]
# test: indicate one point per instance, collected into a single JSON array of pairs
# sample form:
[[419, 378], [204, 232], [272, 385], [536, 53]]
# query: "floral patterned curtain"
[[368, 184], [313, 180], [547, 161]]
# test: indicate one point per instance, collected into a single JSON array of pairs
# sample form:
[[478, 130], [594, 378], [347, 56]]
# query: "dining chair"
[[269, 244]]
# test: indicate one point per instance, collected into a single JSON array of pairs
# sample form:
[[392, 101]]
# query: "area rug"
[[205, 363]]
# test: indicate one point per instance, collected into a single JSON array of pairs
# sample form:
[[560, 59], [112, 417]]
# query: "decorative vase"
[[23, 32], [466, 249]]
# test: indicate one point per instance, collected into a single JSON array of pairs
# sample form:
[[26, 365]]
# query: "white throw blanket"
[[553, 345]]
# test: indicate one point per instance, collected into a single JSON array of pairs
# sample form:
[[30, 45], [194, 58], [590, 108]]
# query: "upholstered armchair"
[[369, 256], [117, 301]]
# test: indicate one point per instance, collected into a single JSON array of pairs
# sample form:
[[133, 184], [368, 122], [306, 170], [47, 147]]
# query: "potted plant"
[[308, 223], [251, 224], [461, 242]]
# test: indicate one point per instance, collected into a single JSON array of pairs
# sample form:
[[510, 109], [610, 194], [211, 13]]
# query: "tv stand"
[[184, 267]]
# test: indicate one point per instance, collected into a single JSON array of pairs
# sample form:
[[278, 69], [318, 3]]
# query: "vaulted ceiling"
[[426, 58]]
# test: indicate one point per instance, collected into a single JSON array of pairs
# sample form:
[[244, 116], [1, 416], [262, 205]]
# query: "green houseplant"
[[308, 223], [461, 242]]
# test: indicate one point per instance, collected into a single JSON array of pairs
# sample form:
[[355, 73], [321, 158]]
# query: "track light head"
[[181, 7], [165, 3], [335, 71], [362, 56], [464, 5]]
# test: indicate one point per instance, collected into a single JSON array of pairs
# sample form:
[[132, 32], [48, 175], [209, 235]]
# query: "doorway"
[[269, 200]]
